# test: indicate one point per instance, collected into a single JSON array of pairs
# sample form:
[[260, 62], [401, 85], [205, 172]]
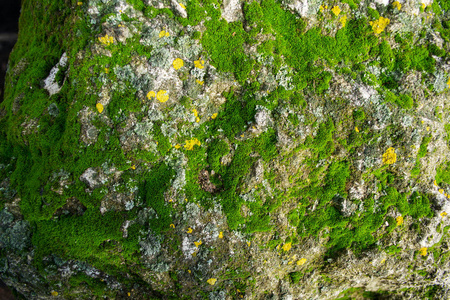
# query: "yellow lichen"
[[220, 235], [161, 96], [106, 70], [164, 33], [397, 5], [343, 20], [191, 143], [423, 5], [195, 112], [287, 246], [106, 40], [197, 243], [54, 293], [423, 251], [214, 116], [379, 25], [80, 3], [178, 63], [443, 214], [435, 183], [182, 5], [249, 244], [172, 225], [151, 95], [336, 10], [199, 63], [389, 157], [211, 281], [177, 146], [441, 191], [301, 262], [189, 230], [199, 82], [448, 82], [399, 220], [356, 129], [99, 107], [428, 128], [129, 294], [133, 167]]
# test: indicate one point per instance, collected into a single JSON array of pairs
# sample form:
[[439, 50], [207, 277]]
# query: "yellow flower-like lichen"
[[441, 191], [79, 3], [287, 246], [199, 63], [172, 225], [214, 116], [199, 82], [182, 5], [301, 262], [423, 5], [249, 244], [322, 8], [399, 220], [343, 20], [99, 107], [177, 146], [356, 129], [443, 214], [197, 243], [397, 5], [106, 40], [448, 82], [336, 10], [54, 293], [189, 230], [211, 281], [151, 95], [423, 251], [178, 63], [164, 33], [379, 25], [389, 157], [195, 112], [161, 96], [133, 167], [220, 235], [191, 143]]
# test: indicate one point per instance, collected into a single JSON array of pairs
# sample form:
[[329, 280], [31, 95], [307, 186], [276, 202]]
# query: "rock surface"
[[227, 150]]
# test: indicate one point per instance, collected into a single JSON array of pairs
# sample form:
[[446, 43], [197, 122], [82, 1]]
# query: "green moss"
[[423, 150], [443, 174], [295, 277]]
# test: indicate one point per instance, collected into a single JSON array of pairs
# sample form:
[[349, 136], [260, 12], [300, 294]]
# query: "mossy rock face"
[[226, 149]]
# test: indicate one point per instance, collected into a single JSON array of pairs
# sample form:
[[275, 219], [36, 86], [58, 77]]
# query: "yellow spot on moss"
[[199, 82], [397, 5], [356, 129], [220, 235], [99, 107], [191, 143], [424, 5], [164, 33], [322, 8], [423, 251], [170, 200], [287, 246], [249, 244], [151, 95], [428, 128], [382, 261], [197, 119], [343, 21], [106, 70], [435, 183], [178, 63], [211, 281], [379, 25], [189, 230], [389, 157], [399, 220], [199, 63], [197, 243], [106, 40], [336, 10], [441, 191], [195, 112], [172, 225], [133, 167], [129, 294], [182, 5], [443, 214], [161, 96], [301, 262], [214, 116], [80, 3], [177, 146], [54, 293], [189, 271], [448, 82]]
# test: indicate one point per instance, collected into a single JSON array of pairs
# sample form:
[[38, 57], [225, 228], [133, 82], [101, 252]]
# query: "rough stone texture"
[[227, 150]]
